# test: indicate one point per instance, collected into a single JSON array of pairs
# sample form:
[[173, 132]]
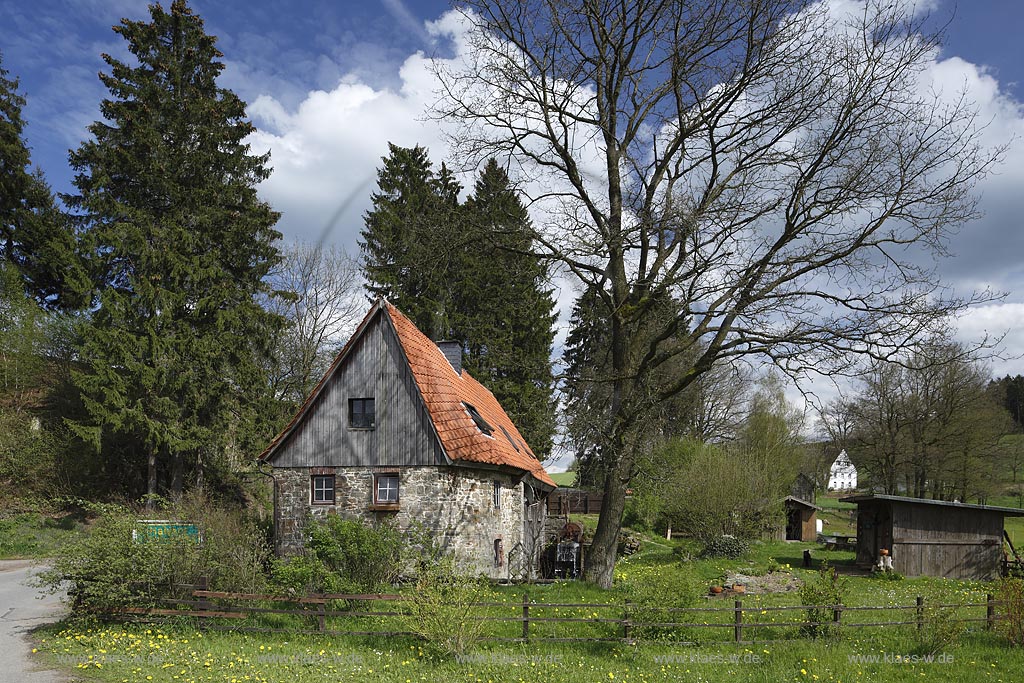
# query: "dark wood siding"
[[932, 540], [563, 501], [375, 367]]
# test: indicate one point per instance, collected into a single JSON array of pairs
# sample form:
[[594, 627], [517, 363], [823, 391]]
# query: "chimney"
[[452, 350]]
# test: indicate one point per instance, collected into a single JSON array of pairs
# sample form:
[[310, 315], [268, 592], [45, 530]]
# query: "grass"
[[37, 535], [563, 478], [179, 653]]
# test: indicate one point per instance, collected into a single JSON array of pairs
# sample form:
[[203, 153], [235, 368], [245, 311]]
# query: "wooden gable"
[[372, 366]]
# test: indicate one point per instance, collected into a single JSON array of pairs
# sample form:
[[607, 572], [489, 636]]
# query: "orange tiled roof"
[[444, 392]]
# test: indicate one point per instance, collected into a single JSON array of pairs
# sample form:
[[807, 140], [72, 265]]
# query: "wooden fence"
[[528, 620], [565, 501]]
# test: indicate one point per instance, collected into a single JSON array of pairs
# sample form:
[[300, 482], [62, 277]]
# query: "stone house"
[[396, 430]]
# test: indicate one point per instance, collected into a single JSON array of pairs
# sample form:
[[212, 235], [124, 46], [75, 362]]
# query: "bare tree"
[[318, 291], [779, 168], [926, 425]]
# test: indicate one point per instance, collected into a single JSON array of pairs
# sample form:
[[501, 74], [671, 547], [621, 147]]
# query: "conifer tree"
[[406, 243], [34, 234], [463, 272], [180, 244], [505, 307]]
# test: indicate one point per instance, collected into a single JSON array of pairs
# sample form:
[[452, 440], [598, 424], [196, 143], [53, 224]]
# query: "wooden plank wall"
[[933, 540], [403, 436], [563, 501]]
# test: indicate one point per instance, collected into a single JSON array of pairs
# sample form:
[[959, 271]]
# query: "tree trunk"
[[600, 569], [151, 479], [199, 471], [177, 474]]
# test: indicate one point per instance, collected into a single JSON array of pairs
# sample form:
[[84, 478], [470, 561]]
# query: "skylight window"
[[509, 437], [481, 423]]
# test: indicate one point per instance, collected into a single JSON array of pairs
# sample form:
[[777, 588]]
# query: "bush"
[[440, 609], [1010, 594], [111, 567], [107, 569], [942, 630], [364, 557], [821, 595], [655, 592], [726, 545], [304, 574]]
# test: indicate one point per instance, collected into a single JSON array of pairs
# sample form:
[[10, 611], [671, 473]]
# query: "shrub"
[[655, 592], [821, 595], [106, 569], [1010, 593], [303, 574], [364, 557], [440, 609], [726, 545], [941, 631], [111, 567]]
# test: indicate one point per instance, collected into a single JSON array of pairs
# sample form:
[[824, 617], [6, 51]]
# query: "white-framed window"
[[385, 488], [322, 489], [496, 495]]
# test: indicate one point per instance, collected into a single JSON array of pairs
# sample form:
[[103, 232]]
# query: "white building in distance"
[[842, 476]]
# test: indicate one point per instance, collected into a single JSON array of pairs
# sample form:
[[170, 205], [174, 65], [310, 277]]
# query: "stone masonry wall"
[[456, 503]]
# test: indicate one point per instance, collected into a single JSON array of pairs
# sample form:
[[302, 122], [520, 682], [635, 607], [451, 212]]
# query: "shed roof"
[[446, 395], [869, 497], [800, 501]]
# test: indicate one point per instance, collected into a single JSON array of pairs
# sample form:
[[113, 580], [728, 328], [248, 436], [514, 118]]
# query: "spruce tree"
[[406, 245], [465, 273], [505, 306], [181, 245], [34, 234]]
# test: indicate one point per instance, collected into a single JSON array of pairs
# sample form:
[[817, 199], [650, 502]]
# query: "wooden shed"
[[801, 519], [931, 537]]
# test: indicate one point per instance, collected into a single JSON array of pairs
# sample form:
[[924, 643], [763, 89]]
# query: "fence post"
[[526, 616], [321, 616], [626, 623], [203, 584], [990, 612], [738, 627], [920, 613], [837, 613]]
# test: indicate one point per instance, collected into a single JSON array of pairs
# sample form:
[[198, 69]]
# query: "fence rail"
[[615, 622]]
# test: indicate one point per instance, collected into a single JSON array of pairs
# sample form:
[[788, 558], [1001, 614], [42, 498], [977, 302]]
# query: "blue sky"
[[330, 83]]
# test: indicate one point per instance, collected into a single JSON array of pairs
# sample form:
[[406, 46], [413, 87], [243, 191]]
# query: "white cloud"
[[325, 152], [993, 322]]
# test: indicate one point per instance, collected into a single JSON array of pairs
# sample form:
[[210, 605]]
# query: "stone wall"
[[455, 503]]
